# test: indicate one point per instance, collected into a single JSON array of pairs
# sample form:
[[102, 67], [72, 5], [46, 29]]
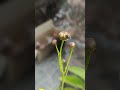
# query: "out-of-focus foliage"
[[90, 48]]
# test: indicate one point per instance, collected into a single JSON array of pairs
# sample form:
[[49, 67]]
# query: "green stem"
[[61, 65], [61, 48], [61, 62], [60, 56], [67, 66], [62, 87], [64, 74], [57, 50]]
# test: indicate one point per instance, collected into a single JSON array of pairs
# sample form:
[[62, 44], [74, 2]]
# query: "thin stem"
[[60, 56], [57, 50], [62, 81], [61, 48], [61, 65], [67, 66], [64, 74], [59, 59]]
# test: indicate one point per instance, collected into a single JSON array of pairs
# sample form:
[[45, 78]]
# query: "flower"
[[71, 44], [54, 42], [64, 35], [41, 89]]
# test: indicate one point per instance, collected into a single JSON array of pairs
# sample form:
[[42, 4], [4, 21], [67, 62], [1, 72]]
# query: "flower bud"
[[71, 44], [64, 35], [54, 42]]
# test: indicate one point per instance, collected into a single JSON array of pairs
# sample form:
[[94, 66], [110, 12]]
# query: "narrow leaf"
[[74, 81], [78, 71]]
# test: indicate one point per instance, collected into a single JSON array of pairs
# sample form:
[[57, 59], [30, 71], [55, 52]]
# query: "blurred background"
[[67, 15], [103, 24], [16, 45], [18, 21], [19, 18]]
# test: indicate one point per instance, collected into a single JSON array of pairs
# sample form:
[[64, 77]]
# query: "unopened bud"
[[54, 42], [71, 44], [64, 35]]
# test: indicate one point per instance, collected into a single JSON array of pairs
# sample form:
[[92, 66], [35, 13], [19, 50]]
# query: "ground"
[[47, 74]]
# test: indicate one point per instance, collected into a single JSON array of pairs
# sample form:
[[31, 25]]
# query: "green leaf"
[[74, 81], [68, 88], [78, 71]]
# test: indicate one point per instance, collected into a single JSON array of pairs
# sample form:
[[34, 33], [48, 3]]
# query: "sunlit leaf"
[[78, 71], [74, 81], [68, 88]]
